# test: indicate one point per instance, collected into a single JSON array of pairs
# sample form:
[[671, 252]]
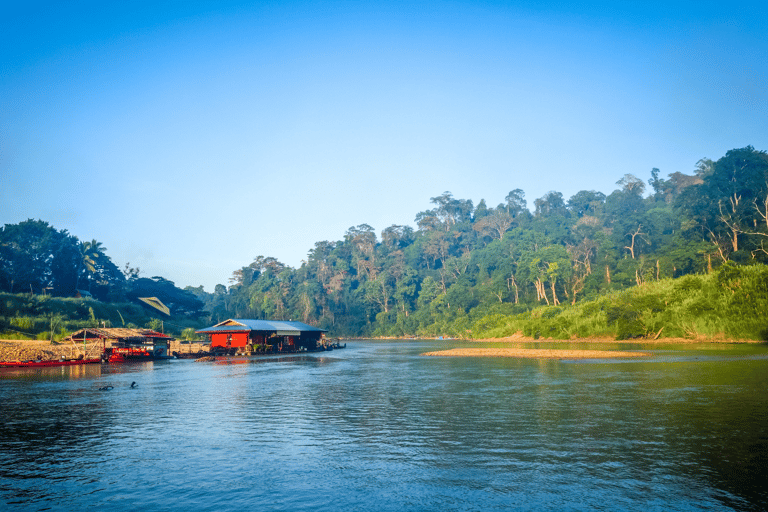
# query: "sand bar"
[[535, 353]]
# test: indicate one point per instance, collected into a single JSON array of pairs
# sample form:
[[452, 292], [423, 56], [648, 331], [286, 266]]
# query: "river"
[[377, 426]]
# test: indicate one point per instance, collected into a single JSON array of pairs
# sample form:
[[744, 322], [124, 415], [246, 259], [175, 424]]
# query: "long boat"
[[45, 364]]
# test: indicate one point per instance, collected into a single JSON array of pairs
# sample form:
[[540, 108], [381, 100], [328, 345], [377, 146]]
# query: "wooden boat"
[[46, 364]]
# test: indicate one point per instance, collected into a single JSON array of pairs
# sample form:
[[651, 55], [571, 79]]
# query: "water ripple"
[[377, 427]]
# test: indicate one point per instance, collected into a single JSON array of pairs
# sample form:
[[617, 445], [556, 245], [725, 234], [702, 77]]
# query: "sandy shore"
[[27, 350], [535, 353]]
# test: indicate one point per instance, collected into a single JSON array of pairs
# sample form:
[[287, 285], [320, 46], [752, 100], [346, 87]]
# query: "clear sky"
[[190, 137]]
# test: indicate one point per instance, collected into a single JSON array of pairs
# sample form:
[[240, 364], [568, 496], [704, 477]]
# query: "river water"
[[377, 426]]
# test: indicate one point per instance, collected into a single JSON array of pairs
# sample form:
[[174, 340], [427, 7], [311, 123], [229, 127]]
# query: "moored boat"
[[124, 354]]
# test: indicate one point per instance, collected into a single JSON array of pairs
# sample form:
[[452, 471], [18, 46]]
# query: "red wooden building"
[[284, 336]]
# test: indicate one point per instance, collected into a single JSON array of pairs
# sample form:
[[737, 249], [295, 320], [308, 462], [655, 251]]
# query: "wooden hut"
[[283, 336], [155, 343]]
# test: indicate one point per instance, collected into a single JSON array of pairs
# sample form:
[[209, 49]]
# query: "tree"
[[247, 275], [436, 248], [586, 202], [397, 237], [543, 266], [723, 206], [481, 210], [515, 202], [405, 290], [451, 211], [427, 220], [35, 257], [363, 240], [379, 291], [634, 237], [494, 224], [632, 184], [104, 279], [582, 256], [550, 204], [178, 301], [92, 253]]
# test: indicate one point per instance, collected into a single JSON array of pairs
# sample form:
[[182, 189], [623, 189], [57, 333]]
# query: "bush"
[[627, 321]]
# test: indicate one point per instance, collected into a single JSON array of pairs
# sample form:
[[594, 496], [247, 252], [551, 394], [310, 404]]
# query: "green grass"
[[731, 303], [27, 316]]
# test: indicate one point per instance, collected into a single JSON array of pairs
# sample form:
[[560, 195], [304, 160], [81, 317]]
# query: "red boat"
[[123, 354], [45, 364]]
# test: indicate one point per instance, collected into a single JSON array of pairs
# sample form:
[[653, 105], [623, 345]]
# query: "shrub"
[[24, 323], [627, 321]]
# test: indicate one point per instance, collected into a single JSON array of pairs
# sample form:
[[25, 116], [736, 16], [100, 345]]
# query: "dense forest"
[[463, 266]]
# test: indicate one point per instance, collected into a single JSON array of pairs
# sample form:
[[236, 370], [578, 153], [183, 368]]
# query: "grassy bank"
[[731, 303], [25, 316]]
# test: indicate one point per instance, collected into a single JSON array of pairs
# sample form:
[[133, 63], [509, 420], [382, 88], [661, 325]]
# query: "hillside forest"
[[691, 244]]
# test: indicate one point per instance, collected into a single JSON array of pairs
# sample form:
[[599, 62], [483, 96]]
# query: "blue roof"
[[278, 326]]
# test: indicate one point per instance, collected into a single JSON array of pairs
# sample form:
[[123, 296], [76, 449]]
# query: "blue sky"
[[191, 137]]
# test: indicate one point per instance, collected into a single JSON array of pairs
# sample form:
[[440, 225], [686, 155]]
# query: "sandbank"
[[28, 350], [535, 353]]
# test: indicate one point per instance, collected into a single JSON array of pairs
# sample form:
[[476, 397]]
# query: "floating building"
[[283, 336]]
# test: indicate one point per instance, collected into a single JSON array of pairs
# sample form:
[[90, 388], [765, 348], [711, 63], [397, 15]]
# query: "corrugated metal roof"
[[282, 327]]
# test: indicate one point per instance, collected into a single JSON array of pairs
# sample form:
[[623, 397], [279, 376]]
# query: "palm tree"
[[91, 253]]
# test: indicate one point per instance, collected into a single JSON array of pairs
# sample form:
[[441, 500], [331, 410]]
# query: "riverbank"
[[26, 350], [520, 338]]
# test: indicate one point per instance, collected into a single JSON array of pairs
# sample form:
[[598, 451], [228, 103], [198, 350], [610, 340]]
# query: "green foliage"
[[591, 265], [498, 271], [27, 316], [729, 304], [626, 319], [24, 323], [155, 324], [189, 334]]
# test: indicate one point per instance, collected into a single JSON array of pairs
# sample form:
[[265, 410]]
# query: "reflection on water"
[[376, 426]]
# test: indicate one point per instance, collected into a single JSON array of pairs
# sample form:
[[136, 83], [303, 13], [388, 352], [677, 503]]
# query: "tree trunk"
[[514, 283], [541, 291]]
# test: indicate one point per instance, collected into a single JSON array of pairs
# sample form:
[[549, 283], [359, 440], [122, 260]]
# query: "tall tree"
[[725, 206], [35, 257], [494, 224]]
